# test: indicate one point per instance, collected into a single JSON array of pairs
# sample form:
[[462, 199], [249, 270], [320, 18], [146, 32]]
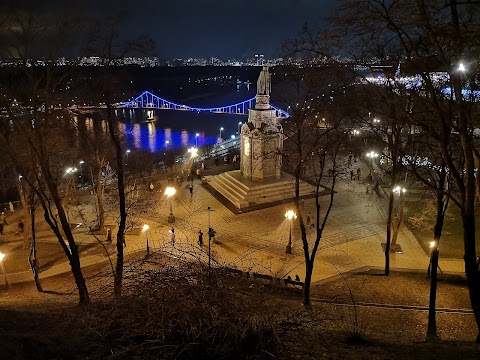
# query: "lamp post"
[[372, 155], [2, 256], [239, 126], [209, 241], [170, 192], [193, 152], [196, 139], [399, 190], [433, 257], [145, 230], [291, 216], [128, 152], [220, 135], [81, 172]]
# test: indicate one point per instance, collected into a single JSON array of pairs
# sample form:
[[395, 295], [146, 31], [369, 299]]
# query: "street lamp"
[[399, 190], [461, 67], [127, 152], [291, 216], [196, 139], [2, 256], [81, 171], [372, 155], [221, 129], [70, 170], [193, 152], [432, 266], [145, 229], [170, 192], [239, 125]]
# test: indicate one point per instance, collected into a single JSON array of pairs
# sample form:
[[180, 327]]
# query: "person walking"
[[309, 219], [358, 174], [10, 206], [351, 174], [172, 232], [3, 219], [151, 187], [1, 228], [200, 238], [191, 190]]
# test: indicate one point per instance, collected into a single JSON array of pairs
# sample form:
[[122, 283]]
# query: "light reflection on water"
[[175, 130]]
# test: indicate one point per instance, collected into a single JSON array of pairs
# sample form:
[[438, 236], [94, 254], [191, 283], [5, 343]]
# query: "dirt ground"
[[331, 328]]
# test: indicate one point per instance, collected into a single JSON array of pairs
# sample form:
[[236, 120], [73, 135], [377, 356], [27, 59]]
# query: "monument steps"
[[248, 194]]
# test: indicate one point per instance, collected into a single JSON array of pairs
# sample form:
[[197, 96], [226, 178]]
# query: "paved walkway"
[[256, 241]]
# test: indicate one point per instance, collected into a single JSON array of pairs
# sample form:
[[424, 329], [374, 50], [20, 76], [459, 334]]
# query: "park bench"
[[293, 282], [237, 272], [264, 277]]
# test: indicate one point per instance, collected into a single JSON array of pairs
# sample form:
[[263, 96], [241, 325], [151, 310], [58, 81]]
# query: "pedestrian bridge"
[[148, 100]]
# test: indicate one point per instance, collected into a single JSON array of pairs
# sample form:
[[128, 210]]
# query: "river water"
[[176, 129]]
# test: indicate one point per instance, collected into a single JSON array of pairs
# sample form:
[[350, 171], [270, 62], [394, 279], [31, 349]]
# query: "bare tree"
[[31, 128], [105, 41], [430, 36], [316, 130]]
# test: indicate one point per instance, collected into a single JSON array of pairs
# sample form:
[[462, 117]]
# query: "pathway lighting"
[[291, 216], [170, 192], [145, 229], [2, 257]]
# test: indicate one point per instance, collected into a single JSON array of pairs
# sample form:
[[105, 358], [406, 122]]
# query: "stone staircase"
[[244, 193]]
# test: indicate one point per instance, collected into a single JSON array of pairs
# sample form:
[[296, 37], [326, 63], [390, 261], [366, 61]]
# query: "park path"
[[255, 241]]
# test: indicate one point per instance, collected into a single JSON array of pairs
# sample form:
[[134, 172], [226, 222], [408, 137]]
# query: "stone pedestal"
[[261, 143]]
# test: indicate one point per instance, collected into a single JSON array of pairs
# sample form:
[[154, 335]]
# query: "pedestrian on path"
[[309, 219], [191, 190], [172, 232], [350, 156], [200, 238], [358, 174], [3, 219], [351, 174], [199, 174], [151, 187], [1, 228], [12, 209]]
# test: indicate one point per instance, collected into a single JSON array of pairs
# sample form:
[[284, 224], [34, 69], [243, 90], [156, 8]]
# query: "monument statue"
[[264, 84]]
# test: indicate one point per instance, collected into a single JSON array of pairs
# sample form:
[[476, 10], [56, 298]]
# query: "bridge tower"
[[261, 137]]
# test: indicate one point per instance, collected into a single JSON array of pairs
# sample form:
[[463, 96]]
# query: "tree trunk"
[[477, 179], [32, 258], [99, 194], [397, 225], [117, 283], [308, 282], [437, 234], [389, 235], [72, 250], [26, 215], [471, 267]]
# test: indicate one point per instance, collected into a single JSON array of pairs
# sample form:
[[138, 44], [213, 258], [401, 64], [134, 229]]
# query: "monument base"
[[245, 194]]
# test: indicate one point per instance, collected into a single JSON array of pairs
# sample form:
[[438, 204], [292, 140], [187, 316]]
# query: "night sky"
[[221, 28]]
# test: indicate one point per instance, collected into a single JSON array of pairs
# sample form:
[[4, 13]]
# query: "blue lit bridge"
[[147, 100]]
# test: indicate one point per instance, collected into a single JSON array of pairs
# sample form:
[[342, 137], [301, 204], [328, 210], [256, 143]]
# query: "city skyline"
[[188, 28]]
